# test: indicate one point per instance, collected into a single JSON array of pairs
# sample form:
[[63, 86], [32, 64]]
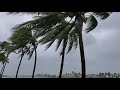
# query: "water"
[[22, 77]]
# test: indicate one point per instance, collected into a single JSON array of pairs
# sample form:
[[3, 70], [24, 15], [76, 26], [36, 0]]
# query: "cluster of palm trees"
[[65, 28]]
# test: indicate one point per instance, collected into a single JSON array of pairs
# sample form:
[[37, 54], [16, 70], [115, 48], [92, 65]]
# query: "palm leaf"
[[102, 15], [91, 23]]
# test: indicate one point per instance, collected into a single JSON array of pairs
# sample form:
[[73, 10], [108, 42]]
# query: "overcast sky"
[[102, 49]]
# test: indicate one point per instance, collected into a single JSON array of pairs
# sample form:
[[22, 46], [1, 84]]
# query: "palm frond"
[[102, 15], [91, 23], [64, 46], [50, 43], [59, 41], [70, 41], [31, 53]]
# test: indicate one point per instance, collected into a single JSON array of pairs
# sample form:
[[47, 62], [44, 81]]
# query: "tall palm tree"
[[4, 55], [24, 40], [7, 48], [3, 59], [3, 68], [52, 22], [19, 44]]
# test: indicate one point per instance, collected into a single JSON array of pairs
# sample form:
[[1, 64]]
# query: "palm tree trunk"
[[3, 69], [63, 56], [34, 62], [81, 47], [19, 64], [62, 63]]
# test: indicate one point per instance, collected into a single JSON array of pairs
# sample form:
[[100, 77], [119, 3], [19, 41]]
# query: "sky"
[[102, 49]]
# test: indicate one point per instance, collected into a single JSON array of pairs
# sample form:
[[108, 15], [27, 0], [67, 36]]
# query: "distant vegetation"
[[70, 75], [78, 75]]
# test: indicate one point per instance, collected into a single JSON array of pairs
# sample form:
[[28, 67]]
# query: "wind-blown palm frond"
[[59, 41], [64, 46], [70, 41], [102, 15], [91, 23], [3, 58], [59, 34]]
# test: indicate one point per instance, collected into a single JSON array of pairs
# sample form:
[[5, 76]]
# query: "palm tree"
[[3, 68], [23, 39], [3, 59], [19, 44], [4, 49], [52, 22]]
